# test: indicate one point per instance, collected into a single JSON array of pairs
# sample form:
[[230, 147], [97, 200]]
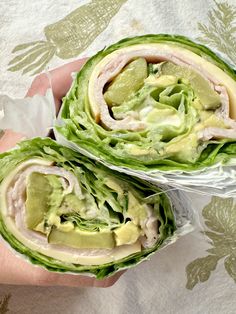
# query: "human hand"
[[61, 80], [13, 269]]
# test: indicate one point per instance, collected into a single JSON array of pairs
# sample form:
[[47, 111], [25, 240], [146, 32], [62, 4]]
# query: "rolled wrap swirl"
[[67, 213], [160, 107]]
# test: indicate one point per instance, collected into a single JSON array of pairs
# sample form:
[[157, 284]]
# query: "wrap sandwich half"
[[67, 213], [160, 107]]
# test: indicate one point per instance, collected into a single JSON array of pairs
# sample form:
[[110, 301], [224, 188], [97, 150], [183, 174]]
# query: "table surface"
[[181, 278]]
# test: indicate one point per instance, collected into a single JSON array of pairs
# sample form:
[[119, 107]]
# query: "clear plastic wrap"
[[30, 116]]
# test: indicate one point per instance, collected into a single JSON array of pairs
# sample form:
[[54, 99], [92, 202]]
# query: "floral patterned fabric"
[[198, 273]]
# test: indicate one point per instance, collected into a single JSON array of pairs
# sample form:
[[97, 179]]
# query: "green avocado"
[[209, 98], [56, 196], [185, 148], [161, 81], [71, 203], [127, 82], [38, 193], [103, 239], [127, 233], [136, 211]]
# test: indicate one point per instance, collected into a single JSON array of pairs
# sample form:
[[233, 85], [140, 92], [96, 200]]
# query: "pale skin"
[[15, 270]]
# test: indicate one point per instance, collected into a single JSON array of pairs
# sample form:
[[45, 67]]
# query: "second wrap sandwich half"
[[67, 213], [159, 107]]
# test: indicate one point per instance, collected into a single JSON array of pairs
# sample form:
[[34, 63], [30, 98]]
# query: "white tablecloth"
[[182, 278]]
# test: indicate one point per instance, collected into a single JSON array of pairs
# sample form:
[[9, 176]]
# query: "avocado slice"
[[185, 148], [38, 191], [71, 202], [127, 233], [136, 211], [103, 239], [127, 82], [209, 98], [56, 196], [161, 81]]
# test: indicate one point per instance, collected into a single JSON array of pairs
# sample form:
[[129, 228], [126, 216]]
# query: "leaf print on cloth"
[[4, 304], [221, 31], [220, 219], [200, 270], [66, 38]]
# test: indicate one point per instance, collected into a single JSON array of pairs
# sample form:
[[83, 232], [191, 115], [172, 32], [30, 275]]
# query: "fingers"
[[60, 81], [9, 139], [16, 270], [85, 281], [20, 272]]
